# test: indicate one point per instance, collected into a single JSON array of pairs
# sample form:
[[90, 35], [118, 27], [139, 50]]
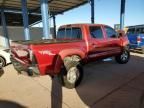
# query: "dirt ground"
[[106, 84]]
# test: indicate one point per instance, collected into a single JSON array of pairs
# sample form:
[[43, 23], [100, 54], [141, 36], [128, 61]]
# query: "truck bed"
[[46, 41]]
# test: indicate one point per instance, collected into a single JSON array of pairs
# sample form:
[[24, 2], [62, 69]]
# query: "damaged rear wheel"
[[72, 73]]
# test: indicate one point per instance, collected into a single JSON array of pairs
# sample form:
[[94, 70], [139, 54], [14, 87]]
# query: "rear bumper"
[[29, 70]]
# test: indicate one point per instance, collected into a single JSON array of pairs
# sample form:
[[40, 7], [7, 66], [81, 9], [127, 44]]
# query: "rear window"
[[76, 33], [136, 30], [72, 33], [131, 31], [61, 33]]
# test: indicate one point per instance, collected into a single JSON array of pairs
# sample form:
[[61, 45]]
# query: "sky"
[[106, 12]]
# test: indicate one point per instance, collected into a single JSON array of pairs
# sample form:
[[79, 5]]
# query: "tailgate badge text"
[[46, 52]]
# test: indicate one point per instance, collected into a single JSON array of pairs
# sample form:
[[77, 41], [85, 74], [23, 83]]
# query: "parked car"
[[4, 56], [136, 37], [75, 44]]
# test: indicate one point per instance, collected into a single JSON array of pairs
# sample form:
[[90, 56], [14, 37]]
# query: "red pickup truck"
[[75, 44]]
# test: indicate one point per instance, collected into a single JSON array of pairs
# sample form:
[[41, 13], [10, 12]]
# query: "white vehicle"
[[4, 57]]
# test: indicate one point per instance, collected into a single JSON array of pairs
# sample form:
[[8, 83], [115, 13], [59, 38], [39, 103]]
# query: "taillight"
[[34, 60], [139, 39], [32, 57]]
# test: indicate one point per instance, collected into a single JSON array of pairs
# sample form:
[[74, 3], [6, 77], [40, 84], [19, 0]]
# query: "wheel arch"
[[65, 53], [3, 58]]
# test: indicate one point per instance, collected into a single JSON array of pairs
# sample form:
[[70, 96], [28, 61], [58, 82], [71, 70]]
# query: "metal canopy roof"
[[13, 9], [15, 19], [55, 6]]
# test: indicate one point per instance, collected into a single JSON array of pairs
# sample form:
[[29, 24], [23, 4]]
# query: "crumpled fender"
[[123, 37], [64, 53]]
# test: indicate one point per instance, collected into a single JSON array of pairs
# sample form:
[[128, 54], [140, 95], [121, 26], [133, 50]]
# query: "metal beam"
[[92, 11], [5, 31], [11, 10], [122, 14], [54, 25], [25, 19], [45, 18], [71, 8]]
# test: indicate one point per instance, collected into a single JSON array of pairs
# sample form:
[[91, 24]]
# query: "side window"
[[68, 32], [96, 32], [111, 33], [61, 33], [76, 33]]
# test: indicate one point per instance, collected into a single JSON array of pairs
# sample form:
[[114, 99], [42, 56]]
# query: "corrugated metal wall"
[[16, 33]]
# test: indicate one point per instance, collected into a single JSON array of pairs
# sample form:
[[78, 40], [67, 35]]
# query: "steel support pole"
[[5, 31], [45, 19], [122, 14], [54, 25], [25, 19], [92, 11]]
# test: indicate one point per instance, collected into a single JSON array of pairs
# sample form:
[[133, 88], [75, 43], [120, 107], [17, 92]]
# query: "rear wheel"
[[2, 61], [123, 58], [72, 72]]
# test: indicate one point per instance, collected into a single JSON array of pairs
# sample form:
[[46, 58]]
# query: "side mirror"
[[121, 33]]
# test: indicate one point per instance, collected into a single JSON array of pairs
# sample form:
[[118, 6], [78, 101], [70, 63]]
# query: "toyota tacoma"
[[75, 45]]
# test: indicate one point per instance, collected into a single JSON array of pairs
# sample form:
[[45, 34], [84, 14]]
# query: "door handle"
[[94, 45]]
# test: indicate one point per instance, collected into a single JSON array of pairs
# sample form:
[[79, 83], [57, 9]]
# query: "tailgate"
[[132, 38], [20, 52], [142, 38]]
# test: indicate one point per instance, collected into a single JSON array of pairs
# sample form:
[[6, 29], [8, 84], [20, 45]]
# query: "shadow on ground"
[[1, 71], [107, 86], [56, 94], [9, 104], [139, 51]]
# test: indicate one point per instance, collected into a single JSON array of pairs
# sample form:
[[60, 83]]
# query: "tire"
[[2, 61], [72, 73], [124, 57]]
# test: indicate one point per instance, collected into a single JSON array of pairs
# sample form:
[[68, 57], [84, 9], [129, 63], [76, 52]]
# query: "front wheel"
[[123, 58], [71, 74]]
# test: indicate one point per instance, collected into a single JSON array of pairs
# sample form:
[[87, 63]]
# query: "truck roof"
[[81, 24]]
